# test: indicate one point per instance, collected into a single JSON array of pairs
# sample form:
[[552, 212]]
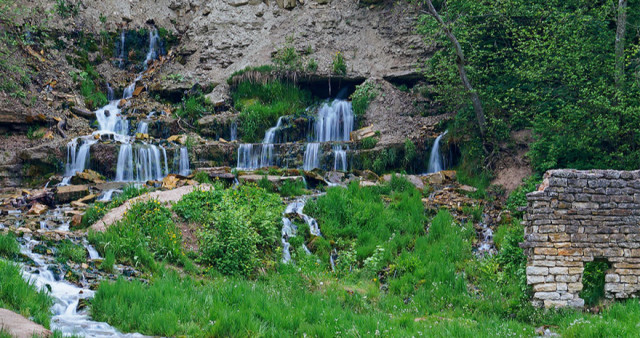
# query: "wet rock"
[[82, 304], [218, 172], [79, 205], [87, 176], [66, 194], [334, 177], [88, 199], [358, 135], [38, 209]]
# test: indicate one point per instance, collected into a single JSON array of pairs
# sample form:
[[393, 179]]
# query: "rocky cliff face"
[[220, 37]]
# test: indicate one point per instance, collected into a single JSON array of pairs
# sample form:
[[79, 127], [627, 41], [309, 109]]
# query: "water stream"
[[289, 229], [436, 160]]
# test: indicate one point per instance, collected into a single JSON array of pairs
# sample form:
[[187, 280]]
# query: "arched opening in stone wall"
[[593, 281]]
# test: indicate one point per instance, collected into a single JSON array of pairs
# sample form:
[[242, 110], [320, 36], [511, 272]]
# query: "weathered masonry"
[[576, 217]]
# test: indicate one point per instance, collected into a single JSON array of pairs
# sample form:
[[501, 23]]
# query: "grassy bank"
[[396, 272], [18, 295]]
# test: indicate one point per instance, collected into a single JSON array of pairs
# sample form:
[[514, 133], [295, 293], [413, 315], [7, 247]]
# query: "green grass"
[[261, 104], [368, 143], [9, 248], [22, 297], [95, 211], [69, 251], [290, 188], [145, 233]]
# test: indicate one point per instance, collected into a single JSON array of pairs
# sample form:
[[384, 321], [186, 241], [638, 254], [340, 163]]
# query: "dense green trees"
[[546, 65]]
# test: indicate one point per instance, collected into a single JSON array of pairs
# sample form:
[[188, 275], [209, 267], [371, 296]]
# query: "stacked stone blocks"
[[576, 217]]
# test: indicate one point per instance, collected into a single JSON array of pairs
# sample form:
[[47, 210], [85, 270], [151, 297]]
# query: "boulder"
[[68, 193], [358, 135], [79, 205], [218, 172], [170, 182], [76, 220], [87, 176], [219, 96], [38, 209]]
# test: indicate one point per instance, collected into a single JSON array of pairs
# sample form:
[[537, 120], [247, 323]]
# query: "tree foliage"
[[545, 65]]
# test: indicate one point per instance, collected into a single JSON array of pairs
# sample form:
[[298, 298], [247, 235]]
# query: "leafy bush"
[[93, 98], [287, 57], [362, 96], [145, 232], [518, 197], [339, 65], [202, 177], [240, 227], [312, 66], [9, 247], [23, 297], [593, 281], [192, 107], [291, 188], [368, 143]]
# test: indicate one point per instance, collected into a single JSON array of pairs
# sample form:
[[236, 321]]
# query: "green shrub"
[[23, 297], [518, 197], [362, 96], [593, 281], [368, 143], [290, 188], [192, 107], [287, 57], [145, 232], [9, 247], [93, 98], [312, 66], [97, 210], [202, 177], [240, 227], [339, 65]]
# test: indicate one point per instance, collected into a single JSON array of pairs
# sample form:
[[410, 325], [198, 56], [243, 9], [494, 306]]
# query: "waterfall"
[[122, 50], [164, 155], [148, 164], [128, 92], [154, 47], [290, 230], [250, 157], [66, 318], [105, 197], [234, 131], [436, 161], [339, 158], [184, 162], [124, 169], [77, 158], [109, 92], [334, 122], [110, 120], [311, 156], [143, 127]]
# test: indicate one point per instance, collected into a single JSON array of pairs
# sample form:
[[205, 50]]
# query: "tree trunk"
[[460, 61], [620, 31]]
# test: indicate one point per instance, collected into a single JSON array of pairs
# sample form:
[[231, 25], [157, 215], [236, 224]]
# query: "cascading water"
[[234, 131], [124, 168], [110, 95], [436, 160], [122, 49], [66, 316], [253, 158], [148, 164], [143, 127], [184, 162], [334, 122], [311, 156], [339, 158], [154, 47], [290, 230]]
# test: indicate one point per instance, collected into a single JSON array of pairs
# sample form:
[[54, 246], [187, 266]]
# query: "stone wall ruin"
[[574, 218]]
